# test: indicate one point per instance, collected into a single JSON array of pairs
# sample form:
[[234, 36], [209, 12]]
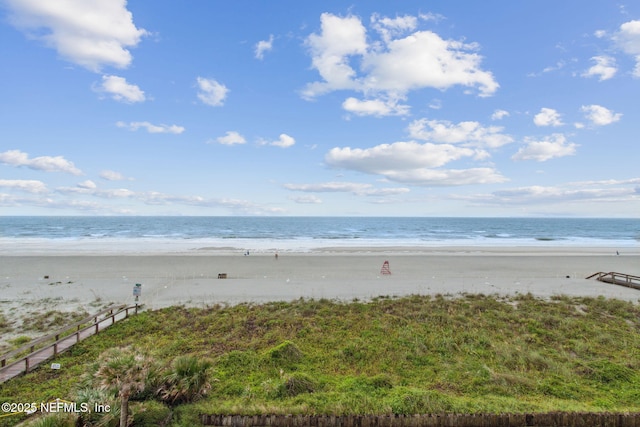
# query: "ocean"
[[23, 234]]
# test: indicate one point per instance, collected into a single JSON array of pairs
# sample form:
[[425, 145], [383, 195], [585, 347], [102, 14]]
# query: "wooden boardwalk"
[[628, 280], [47, 347]]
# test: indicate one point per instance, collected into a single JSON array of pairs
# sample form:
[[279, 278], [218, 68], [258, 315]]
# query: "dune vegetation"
[[417, 354]]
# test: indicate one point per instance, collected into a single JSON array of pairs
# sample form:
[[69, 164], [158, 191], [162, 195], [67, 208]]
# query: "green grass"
[[417, 354], [5, 326], [52, 320]]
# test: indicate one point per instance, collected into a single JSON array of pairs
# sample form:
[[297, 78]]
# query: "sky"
[[320, 108]]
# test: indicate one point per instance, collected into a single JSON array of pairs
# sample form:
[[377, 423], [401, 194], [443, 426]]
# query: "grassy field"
[[417, 354]]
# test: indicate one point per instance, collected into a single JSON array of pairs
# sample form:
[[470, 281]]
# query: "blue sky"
[[440, 108]]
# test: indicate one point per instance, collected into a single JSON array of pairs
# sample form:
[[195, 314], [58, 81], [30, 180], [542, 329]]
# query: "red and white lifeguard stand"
[[385, 268]]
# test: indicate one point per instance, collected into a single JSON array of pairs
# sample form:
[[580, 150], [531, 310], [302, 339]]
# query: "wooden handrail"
[[613, 273], [622, 279], [28, 366], [31, 345]]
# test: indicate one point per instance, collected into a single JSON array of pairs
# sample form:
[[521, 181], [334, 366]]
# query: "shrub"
[[295, 384], [410, 401], [367, 385], [56, 420], [91, 397], [124, 371], [289, 385], [285, 353], [150, 414], [5, 326], [19, 341], [605, 371], [186, 381]]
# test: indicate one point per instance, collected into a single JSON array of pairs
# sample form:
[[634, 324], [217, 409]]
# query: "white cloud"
[[600, 33], [355, 188], [423, 60], [470, 134], [284, 141], [548, 117], [231, 138], [386, 158], [548, 148], [88, 184], [110, 175], [330, 51], [557, 66], [375, 107], [92, 34], [390, 28], [43, 163], [604, 68], [600, 116], [537, 192], [120, 90], [430, 16], [237, 206], [447, 177], [116, 193], [631, 181], [419, 163], [413, 163], [435, 104], [307, 199], [391, 67], [499, 114], [151, 128], [90, 188], [211, 92], [628, 38], [590, 192], [263, 46], [28, 185]]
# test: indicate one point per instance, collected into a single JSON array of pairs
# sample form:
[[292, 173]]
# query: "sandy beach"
[[192, 278], [88, 282]]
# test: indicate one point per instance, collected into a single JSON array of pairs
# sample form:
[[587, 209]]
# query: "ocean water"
[[167, 234]]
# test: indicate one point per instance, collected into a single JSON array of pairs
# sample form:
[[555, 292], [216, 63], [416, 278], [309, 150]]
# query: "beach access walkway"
[[29, 356], [628, 280]]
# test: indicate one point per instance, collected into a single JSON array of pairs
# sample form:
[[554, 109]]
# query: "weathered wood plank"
[[36, 357]]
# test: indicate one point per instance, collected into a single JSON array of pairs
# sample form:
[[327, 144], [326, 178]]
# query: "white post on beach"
[[137, 291]]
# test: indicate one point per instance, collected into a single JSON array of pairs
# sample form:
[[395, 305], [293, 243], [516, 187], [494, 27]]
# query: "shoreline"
[[71, 248]]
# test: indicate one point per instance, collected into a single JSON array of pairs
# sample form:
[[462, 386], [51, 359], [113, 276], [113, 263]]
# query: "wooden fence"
[[44, 348], [564, 419]]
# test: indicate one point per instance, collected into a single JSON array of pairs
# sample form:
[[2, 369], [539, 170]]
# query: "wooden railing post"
[[79, 327]]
